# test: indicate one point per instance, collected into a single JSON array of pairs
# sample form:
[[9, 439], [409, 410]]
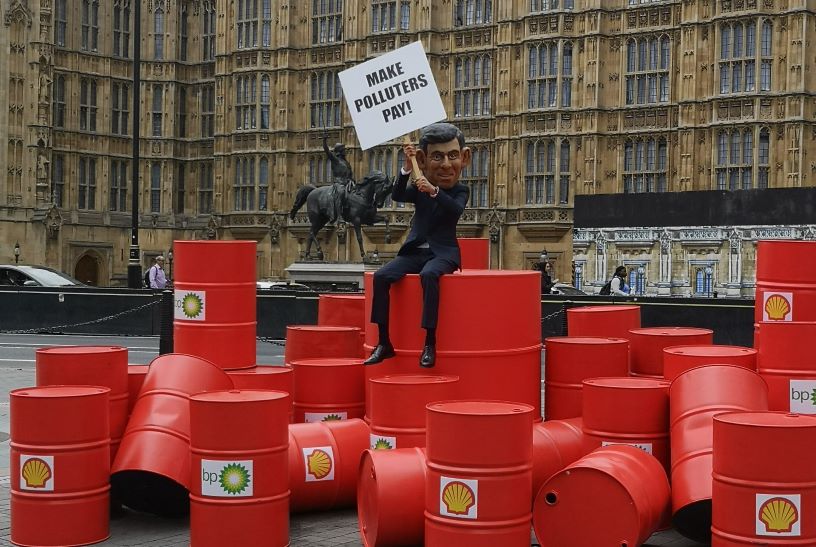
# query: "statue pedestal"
[[330, 276]]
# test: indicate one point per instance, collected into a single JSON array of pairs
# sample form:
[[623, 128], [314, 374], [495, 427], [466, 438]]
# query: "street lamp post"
[[134, 263], [170, 263], [641, 280], [709, 280], [17, 252], [579, 276]]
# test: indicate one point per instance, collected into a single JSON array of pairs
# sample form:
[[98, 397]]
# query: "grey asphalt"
[[127, 528]]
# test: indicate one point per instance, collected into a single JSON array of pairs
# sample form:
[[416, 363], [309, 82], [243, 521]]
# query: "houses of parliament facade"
[[557, 98]]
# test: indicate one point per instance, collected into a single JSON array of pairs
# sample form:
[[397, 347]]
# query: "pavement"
[[128, 528]]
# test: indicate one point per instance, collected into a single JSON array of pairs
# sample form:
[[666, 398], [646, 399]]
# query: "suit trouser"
[[429, 268]]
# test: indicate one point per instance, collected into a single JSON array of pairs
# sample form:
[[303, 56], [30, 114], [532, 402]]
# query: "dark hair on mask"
[[439, 133]]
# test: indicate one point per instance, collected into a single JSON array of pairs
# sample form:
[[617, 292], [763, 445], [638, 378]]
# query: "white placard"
[[312, 417], [318, 462], [189, 305], [392, 95], [777, 306], [37, 473], [458, 498], [382, 442], [646, 447], [778, 515], [227, 478], [803, 396]]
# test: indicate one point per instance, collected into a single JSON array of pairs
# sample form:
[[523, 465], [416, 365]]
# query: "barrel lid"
[[710, 350], [600, 309], [81, 350], [479, 408], [414, 379], [51, 392], [671, 331], [628, 382], [327, 362], [239, 396], [262, 369], [767, 419], [585, 340], [322, 328]]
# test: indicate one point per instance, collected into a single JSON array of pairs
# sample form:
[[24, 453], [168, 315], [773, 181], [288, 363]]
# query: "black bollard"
[[166, 323]]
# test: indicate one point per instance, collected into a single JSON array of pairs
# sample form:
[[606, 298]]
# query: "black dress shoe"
[[379, 354], [428, 357]]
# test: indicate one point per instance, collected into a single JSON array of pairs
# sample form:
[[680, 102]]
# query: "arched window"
[[158, 34], [545, 79], [739, 56], [647, 70], [265, 102], [263, 184], [472, 79], [645, 164]]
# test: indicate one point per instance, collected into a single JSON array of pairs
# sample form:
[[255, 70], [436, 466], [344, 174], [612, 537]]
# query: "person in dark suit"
[[431, 249]]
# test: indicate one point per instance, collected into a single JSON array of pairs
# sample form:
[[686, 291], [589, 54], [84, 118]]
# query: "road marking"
[[9, 345], [18, 360]]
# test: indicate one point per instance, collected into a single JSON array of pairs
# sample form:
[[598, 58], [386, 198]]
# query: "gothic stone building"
[[556, 97]]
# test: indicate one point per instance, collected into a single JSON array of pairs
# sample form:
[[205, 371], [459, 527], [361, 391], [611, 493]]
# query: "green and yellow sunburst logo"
[[382, 444], [192, 305], [234, 478], [332, 418]]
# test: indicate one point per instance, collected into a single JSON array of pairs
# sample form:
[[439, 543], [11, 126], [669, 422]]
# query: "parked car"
[[567, 290], [282, 286], [14, 275]]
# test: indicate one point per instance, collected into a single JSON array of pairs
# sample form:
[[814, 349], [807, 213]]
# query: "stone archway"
[[87, 270]]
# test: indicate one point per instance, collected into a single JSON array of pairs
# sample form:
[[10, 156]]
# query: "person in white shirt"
[[157, 278], [618, 284]]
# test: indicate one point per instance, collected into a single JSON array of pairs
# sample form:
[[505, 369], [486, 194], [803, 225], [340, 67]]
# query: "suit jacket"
[[434, 219]]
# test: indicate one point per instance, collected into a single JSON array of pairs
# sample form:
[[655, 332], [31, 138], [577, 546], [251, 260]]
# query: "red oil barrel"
[[215, 301], [475, 253], [785, 362], [276, 378], [90, 366], [556, 444], [572, 359], [396, 407], [479, 474], [489, 321], [151, 472], [603, 321], [763, 496], [696, 396], [324, 458], [136, 375], [239, 491], [647, 345], [60, 464], [617, 495], [316, 342], [633, 411], [391, 497], [342, 310], [785, 281], [678, 359], [328, 389]]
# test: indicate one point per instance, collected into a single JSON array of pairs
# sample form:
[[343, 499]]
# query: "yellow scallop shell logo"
[[36, 473], [778, 514], [777, 307], [458, 498], [319, 464]]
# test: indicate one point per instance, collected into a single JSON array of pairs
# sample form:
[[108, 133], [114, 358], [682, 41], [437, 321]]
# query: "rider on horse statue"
[[342, 179]]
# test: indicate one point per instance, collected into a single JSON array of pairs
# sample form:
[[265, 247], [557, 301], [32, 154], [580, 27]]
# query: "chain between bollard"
[[53, 329], [273, 341]]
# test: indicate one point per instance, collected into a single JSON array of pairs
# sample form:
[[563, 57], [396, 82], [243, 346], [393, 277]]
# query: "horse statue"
[[359, 204]]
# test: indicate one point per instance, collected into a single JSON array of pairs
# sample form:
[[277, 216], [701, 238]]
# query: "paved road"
[[332, 529]]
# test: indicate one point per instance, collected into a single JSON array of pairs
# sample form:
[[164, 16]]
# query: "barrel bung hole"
[[551, 498]]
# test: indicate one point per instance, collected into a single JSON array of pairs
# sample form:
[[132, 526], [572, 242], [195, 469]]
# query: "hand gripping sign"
[[392, 95]]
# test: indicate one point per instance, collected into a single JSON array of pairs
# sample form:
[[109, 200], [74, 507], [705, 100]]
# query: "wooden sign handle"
[[417, 173]]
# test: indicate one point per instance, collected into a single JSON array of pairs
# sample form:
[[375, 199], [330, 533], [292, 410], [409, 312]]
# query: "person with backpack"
[[155, 278], [617, 285]]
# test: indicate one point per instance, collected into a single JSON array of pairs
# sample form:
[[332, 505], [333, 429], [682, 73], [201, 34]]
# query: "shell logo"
[[319, 464], [36, 473], [779, 515], [777, 307], [458, 498]]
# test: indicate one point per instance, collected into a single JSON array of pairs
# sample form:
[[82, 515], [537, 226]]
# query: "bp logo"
[[226, 479], [803, 396], [190, 305], [311, 417], [382, 442]]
